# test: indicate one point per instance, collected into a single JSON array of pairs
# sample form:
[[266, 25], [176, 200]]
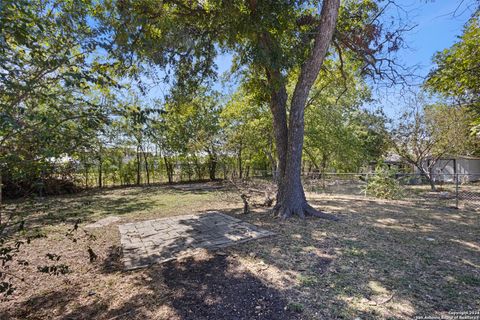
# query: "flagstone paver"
[[161, 240]]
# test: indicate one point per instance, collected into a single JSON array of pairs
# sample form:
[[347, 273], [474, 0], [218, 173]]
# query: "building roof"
[[451, 157], [393, 158]]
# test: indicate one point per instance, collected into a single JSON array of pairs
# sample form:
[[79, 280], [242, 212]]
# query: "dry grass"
[[383, 260]]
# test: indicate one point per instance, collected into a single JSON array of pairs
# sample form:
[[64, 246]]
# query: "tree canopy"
[[455, 75]]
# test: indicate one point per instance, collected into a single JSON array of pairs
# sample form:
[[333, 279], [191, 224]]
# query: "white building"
[[467, 168]]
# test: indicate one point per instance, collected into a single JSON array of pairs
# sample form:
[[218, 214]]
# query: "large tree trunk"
[[289, 140]]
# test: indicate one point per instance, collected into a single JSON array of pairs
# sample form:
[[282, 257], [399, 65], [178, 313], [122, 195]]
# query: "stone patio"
[[161, 240]]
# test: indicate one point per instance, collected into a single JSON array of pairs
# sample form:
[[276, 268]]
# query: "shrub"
[[383, 184]]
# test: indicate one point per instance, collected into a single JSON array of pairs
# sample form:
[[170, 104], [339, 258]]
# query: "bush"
[[383, 184], [42, 187]]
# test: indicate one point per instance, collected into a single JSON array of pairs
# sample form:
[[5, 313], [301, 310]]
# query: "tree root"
[[320, 214], [302, 211]]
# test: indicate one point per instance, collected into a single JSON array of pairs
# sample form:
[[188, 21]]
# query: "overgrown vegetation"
[[383, 184]]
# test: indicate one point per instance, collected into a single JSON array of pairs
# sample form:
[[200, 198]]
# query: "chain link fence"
[[468, 191], [460, 191]]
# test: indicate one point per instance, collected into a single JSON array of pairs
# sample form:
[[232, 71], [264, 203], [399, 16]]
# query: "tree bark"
[[278, 107], [291, 198]]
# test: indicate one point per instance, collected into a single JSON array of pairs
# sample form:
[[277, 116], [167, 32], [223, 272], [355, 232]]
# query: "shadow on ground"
[[92, 205], [155, 241], [216, 287], [383, 260]]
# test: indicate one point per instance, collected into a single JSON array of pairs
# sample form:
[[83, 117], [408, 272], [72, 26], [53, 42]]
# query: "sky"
[[438, 25]]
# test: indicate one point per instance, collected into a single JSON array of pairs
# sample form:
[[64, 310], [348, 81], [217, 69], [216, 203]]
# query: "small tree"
[[383, 184], [413, 142], [426, 133]]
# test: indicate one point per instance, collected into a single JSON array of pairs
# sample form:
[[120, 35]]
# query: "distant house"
[[467, 167], [392, 161]]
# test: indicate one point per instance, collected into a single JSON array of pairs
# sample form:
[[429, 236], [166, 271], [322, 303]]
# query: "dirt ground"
[[382, 260]]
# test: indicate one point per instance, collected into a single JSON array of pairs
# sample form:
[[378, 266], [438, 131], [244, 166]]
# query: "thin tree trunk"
[[213, 169], [120, 167], [239, 157], [169, 169], [100, 170], [324, 166], [273, 165], [198, 168], [428, 174], [247, 167], [138, 166], [312, 159], [431, 177], [146, 165], [212, 163], [225, 171]]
